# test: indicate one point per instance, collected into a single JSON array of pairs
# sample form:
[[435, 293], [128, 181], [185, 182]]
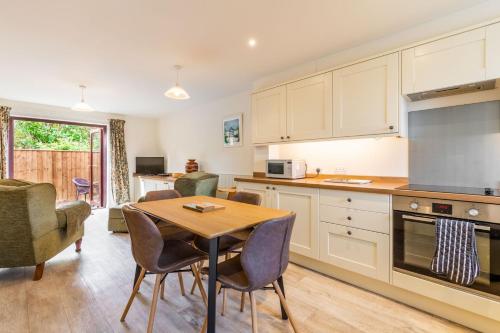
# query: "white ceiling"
[[124, 50]]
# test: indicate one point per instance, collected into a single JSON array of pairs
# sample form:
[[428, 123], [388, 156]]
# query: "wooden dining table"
[[234, 217]]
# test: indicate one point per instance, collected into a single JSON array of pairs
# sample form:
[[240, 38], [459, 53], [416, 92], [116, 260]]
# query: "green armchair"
[[32, 230], [197, 183]]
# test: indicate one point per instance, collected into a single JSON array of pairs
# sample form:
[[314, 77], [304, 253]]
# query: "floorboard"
[[87, 292]]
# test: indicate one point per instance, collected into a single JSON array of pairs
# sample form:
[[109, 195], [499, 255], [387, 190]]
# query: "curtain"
[[4, 134], [119, 165]]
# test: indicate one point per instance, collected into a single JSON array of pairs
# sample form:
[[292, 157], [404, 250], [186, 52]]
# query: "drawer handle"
[[349, 218], [349, 233], [349, 200]]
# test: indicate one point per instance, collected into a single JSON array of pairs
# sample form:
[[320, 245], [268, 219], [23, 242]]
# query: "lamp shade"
[[177, 92], [83, 107]]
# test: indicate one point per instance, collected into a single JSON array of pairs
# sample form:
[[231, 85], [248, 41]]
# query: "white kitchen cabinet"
[[366, 97], [447, 62], [304, 202], [493, 51], [361, 251], [147, 185], [309, 108], [269, 115], [260, 189]]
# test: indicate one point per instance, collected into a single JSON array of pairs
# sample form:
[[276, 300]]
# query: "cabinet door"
[[261, 189], [147, 186], [305, 203], [269, 115], [447, 62], [309, 108], [493, 51], [356, 250], [365, 97]]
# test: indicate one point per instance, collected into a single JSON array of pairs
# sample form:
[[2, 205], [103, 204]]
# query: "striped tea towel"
[[456, 251]]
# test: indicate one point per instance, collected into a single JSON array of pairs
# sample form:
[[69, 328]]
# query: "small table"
[[234, 217]]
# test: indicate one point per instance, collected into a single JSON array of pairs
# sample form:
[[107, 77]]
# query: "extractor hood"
[[455, 90]]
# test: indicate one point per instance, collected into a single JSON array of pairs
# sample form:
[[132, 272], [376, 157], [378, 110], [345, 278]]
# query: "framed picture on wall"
[[233, 130]]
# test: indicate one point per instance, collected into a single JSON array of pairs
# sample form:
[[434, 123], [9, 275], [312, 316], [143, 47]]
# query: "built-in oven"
[[414, 239]]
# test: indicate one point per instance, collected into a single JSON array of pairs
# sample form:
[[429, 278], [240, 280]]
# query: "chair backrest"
[[264, 256], [246, 197], [161, 195], [81, 182], [197, 183], [146, 240], [27, 213]]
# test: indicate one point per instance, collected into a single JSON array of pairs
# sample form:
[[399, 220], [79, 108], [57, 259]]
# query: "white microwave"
[[288, 169]]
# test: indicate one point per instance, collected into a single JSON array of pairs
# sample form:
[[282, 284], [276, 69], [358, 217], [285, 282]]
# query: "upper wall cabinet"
[[366, 97], [309, 108], [269, 115], [493, 51], [447, 62]]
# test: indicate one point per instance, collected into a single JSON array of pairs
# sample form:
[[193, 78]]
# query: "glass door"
[[96, 161]]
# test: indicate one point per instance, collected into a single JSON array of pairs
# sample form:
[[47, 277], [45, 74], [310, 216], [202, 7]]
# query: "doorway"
[[69, 155]]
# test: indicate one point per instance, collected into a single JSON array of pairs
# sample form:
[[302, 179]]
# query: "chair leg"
[[154, 303], [197, 280], [242, 303], [253, 305], [38, 271], [285, 305], [200, 266], [162, 290], [78, 245], [181, 283], [224, 298], [134, 292]]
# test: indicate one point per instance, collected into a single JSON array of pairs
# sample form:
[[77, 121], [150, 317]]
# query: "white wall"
[[366, 157], [197, 133], [141, 136]]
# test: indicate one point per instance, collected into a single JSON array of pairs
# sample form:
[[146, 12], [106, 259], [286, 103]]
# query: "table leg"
[[282, 287], [137, 273], [213, 255]]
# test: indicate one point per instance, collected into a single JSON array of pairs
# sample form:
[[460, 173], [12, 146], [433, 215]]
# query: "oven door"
[[415, 245]]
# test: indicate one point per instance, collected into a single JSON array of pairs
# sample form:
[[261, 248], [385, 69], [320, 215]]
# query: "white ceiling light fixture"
[[252, 42], [177, 92], [82, 106]]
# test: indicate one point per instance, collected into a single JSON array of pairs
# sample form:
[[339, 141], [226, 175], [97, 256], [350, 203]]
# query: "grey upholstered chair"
[[168, 231], [157, 256], [263, 260], [231, 242], [197, 183]]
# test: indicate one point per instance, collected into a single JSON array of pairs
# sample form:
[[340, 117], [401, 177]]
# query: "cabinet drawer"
[[378, 222], [356, 250], [357, 200]]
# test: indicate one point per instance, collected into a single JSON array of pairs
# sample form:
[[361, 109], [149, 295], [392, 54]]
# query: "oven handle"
[[433, 221]]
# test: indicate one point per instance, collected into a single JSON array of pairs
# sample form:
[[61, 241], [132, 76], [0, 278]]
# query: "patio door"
[[96, 161], [69, 155]]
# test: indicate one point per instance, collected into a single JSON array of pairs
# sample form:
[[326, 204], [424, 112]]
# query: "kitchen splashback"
[[456, 146]]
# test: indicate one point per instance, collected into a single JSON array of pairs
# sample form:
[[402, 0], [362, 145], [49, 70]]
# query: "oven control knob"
[[473, 212], [414, 205]]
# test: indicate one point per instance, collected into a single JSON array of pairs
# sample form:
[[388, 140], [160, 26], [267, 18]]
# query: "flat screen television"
[[149, 165]]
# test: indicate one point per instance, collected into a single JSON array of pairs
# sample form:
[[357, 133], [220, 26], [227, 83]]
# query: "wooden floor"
[[86, 292]]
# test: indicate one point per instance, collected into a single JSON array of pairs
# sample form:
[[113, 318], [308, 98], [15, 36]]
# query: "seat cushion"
[[177, 254], [231, 274]]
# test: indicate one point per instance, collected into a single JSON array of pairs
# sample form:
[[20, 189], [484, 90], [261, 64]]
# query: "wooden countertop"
[[379, 184], [383, 185]]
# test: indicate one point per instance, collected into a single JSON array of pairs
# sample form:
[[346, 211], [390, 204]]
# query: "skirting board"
[[466, 318]]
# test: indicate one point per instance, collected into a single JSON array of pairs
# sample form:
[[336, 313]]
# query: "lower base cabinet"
[[357, 250]]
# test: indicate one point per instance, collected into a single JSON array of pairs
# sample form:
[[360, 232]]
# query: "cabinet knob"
[[282, 137], [267, 187], [391, 127], [274, 188], [288, 136], [349, 218], [349, 200], [349, 233]]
